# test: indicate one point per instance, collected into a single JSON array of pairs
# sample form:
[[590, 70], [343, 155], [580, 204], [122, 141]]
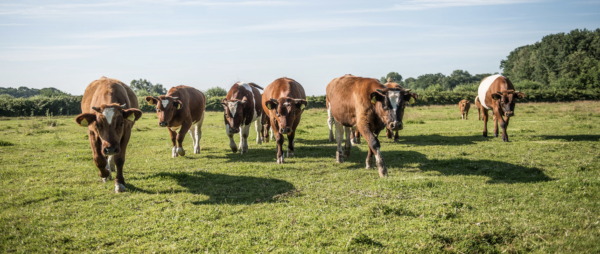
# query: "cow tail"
[[256, 86]]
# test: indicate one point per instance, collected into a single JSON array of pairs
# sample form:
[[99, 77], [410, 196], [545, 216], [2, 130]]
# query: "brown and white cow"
[[464, 106], [284, 101], [498, 94], [243, 105], [181, 108], [109, 110], [368, 105], [414, 96]]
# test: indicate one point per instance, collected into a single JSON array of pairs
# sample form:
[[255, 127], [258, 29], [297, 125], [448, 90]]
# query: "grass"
[[449, 190]]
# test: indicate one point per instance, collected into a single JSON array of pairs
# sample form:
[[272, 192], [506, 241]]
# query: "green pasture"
[[449, 189]]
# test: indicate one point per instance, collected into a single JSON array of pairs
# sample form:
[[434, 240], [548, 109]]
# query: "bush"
[[39, 106], [528, 84]]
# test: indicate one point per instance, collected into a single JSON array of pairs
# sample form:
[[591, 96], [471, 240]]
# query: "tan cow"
[[243, 105], [109, 110], [498, 94], [368, 105], [464, 106], [284, 100], [181, 108]]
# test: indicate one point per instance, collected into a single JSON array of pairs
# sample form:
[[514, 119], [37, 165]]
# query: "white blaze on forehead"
[[232, 107], [286, 104], [165, 103], [109, 113], [394, 95]]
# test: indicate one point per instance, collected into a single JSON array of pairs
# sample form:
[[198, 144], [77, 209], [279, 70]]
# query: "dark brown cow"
[[464, 106], [284, 101], [368, 105], [181, 108], [394, 85], [243, 105], [499, 95], [110, 108]]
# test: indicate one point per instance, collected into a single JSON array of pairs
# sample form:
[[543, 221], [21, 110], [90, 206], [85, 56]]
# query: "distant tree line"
[[24, 92]]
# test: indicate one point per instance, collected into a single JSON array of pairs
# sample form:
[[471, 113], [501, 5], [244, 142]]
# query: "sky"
[[203, 44]]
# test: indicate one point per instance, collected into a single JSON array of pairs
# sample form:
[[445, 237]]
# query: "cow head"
[[166, 108], [234, 113], [506, 99], [465, 104], [286, 109], [108, 122], [389, 105]]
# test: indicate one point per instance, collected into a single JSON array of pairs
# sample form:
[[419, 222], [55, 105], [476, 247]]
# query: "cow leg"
[[258, 126], [388, 134], [396, 137], [357, 135], [244, 136], [266, 129], [99, 158], [347, 145], [330, 122], [185, 127], [339, 135], [369, 161], [273, 131], [192, 132], [495, 119], [485, 120], [504, 126], [352, 137], [173, 135], [479, 114], [241, 138], [198, 130], [279, 141], [290, 150], [120, 161], [374, 150], [467, 115], [232, 144]]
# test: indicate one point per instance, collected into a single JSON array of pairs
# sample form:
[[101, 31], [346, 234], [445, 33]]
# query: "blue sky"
[[68, 44]]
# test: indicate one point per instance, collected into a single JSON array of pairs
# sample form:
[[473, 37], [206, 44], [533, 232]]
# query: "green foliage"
[[447, 83], [215, 92], [141, 86], [25, 92], [213, 103], [528, 85], [40, 106], [396, 77], [472, 87]]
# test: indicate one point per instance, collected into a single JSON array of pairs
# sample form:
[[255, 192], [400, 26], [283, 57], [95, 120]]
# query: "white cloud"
[[432, 4], [315, 25]]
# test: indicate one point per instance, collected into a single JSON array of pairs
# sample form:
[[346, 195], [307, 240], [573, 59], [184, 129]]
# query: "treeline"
[[24, 92]]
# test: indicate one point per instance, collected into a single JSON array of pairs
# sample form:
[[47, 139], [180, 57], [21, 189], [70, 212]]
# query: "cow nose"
[[163, 124], [111, 151], [510, 113], [233, 130], [285, 130], [395, 126]]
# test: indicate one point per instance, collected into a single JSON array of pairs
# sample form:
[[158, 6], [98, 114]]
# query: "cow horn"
[[517, 92], [297, 100], [379, 90], [124, 104], [96, 109], [175, 98], [273, 100], [407, 90], [499, 93]]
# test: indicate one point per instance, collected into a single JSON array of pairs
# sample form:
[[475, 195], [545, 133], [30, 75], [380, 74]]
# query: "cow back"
[[107, 91], [492, 85], [193, 103], [349, 99]]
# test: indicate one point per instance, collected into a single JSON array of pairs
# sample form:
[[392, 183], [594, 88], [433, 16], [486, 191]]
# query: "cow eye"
[[157, 110], [121, 125], [97, 126]]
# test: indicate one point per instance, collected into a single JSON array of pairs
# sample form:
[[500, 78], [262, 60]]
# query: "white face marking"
[[165, 103], [286, 104], [394, 98], [232, 107], [109, 113]]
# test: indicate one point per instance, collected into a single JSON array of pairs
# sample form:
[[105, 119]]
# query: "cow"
[[243, 105], [284, 101], [264, 134], [464, 106], [368, 105], [181, 109], [109, 110], [391, 84], [497, 93]]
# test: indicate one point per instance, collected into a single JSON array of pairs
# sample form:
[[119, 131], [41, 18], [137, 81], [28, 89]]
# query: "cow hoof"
[[174, 152], [180, 151], [104, 179], [382, 172], [119, 187], [338, 157], [485, 134], [197, 150], [290, 154], [495, 135], [397, 140], [280, 160]]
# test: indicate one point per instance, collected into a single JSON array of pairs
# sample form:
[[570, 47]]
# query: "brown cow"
[[109, 110], [284, 101], [264, 134], [464, 106], [479, 108], [392, 84], [498, 94], [368, 105], [243, 105], [181, 108]]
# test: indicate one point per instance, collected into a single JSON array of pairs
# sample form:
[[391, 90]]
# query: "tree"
[[394, 76], [144, 85], [215, 92]]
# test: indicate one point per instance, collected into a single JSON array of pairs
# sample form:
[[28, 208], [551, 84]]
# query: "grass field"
[[449, 189]]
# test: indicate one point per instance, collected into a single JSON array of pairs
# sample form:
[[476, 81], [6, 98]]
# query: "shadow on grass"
[[223, 189], [436, 139], [497, 171], [573, 137]]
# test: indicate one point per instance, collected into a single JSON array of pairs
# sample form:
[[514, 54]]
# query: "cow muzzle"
[[234, 130], [395, 126], [163, 124], [111, 151], [285, 130], [509, 113]]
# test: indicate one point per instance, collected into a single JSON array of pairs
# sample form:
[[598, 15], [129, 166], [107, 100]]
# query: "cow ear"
[[496, 96], [520, 95], [85, 119], [132, 114], [244, 100], [177, 103], [376, 96], [271, 104], [151, 100], [224, 102], [300, 103]]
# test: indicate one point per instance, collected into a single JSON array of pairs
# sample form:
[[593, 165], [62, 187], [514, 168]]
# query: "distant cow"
[[368, 105], [181, 108], [284, 101], [393, 85], [243, 105], [464, 106], [109, 110], [498, 93], [266, 123]]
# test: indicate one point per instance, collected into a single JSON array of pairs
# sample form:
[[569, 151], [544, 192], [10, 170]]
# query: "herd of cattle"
[[357, 106]]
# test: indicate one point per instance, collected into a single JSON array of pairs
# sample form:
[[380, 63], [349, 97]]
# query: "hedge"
[[71, 105]]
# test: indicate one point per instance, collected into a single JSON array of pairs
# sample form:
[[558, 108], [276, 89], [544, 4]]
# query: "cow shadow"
[[436, 139], [497, 171], [221, 188], [573, 137]]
